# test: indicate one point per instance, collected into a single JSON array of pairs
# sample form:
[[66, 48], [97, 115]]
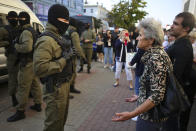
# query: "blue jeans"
[[137, 85], [108, 52]]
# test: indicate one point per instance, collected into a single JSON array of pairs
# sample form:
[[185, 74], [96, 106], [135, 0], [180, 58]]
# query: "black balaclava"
[[12, 18], [73, 21], [87, 26], [79, 25], [26, 16], [58, 11]]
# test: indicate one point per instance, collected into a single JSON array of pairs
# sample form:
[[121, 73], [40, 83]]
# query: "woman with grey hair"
[[153, 80]]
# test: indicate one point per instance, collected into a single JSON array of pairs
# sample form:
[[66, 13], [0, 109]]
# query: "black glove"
[[84, 59], [67, 54], [16, 40]]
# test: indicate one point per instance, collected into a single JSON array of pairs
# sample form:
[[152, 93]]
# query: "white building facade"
[[190, 6], [97, 11], [40, 7]]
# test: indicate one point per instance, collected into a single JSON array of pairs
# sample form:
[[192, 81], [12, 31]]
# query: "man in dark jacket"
[[181, 54], [115, 36]]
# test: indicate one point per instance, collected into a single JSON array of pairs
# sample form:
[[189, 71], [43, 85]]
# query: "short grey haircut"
[[152, 30], [192, 34]]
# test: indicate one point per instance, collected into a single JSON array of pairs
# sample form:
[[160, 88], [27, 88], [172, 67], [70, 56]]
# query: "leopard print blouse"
[[156, 65]]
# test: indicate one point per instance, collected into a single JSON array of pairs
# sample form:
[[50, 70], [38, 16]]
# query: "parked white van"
[[18, 6]]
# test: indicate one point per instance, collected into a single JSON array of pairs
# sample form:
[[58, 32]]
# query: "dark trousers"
[[190, 91], [184, 120], [180, 122], [173, 123], [145, 125]]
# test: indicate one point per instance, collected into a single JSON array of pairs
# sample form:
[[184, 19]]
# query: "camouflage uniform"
[[78, 50], [57, 101], [26, 78], [11, 61], [87, 46]]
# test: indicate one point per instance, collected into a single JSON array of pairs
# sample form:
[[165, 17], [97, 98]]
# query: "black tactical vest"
[[67, 36], [13, 34], [66, 74]]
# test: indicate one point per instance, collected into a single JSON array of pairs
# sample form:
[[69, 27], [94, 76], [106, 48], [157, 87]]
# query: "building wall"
[[96, 10], [91, 11], [40, 7], [190, 6]]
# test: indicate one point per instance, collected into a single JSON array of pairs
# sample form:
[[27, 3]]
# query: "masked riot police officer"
[[73, 33], [8, 34], [52, 63], [87, 38], [26, 79]]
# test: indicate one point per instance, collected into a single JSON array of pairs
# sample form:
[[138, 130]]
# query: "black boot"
[[80, 70], [19, 115], [74, 90], [71, 97], [36, 107], [88, 71], [14, 101]]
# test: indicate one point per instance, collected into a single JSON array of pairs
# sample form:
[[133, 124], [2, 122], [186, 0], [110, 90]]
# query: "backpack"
[[175, 100]]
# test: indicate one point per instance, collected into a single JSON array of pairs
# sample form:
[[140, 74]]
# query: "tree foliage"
[[126, 14], [98, 23]]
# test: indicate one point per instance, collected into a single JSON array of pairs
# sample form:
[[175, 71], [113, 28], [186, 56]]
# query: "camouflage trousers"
[[88, 52], [74, 74], [12, 74], [27, 82], [57, 104]]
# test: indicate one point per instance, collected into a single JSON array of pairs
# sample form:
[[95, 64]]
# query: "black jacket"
[[105, 40], [181, 55], [139, 65], [118, 45]]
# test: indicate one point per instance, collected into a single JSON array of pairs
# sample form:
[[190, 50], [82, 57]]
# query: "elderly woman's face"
[[192, 39], [143, 43]]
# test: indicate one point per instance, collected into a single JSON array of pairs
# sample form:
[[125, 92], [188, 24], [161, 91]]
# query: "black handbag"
[[175, 100]]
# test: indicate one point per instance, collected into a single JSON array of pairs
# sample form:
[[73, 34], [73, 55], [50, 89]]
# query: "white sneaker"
[[105, 66], [111, 68], [134, 118]]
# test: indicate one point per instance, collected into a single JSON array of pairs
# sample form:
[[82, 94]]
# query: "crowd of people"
[[50, 60], [155, 59]]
